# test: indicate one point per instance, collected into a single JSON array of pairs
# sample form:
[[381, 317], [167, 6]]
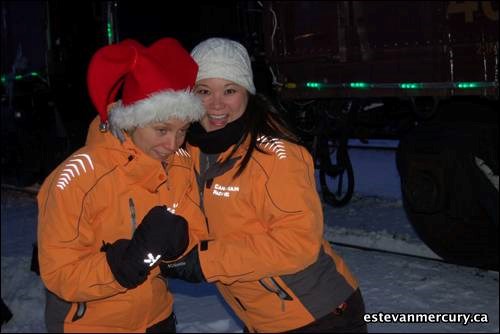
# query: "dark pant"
[[6, 313], [164, 326], [347, 319]]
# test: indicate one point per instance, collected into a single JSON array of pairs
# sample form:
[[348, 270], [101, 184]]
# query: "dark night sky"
[[77, 30], [77, 26], [33, 110], [189, 22]]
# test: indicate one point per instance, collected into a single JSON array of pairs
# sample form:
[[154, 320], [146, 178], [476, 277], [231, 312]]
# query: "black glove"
[[161, 234], [187, 268]]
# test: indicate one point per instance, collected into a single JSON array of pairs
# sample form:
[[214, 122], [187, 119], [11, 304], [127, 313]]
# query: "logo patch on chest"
[[224, 191]]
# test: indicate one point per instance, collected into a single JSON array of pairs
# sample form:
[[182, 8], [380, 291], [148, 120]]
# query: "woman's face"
[[224, 102], [160, 140]]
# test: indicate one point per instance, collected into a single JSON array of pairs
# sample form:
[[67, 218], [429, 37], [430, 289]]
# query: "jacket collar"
[[139, 168], [240, 152], [218, 141]]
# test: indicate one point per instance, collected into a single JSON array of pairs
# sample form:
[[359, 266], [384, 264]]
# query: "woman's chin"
[[213, 126]]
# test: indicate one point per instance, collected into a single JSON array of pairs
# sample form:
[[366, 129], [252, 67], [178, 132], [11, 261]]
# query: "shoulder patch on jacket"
[[182, 158], [182, 153], [74, 166], [274, 145]]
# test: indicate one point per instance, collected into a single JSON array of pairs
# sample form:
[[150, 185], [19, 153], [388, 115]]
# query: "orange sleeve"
[[198, 228], [190, 210], [71, 263]]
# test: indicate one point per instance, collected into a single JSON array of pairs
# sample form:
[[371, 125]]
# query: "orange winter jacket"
[[266, 250], [98, 195]]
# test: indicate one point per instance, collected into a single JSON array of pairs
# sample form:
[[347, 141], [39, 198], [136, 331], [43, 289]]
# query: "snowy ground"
[[390, 283]]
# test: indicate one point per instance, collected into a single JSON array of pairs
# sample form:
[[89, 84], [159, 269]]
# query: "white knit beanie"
[[224, 59]]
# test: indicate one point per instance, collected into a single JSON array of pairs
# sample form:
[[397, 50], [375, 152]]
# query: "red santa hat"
[[155, 82]]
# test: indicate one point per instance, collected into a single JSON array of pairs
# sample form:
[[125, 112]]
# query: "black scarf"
[[217, 141]]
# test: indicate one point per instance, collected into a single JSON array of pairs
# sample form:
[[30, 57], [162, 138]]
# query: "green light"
[[465, 85], [4, 79], [34, 74], [358, 85], [410, 85], [313, 85], [110, 33], [17, 77]]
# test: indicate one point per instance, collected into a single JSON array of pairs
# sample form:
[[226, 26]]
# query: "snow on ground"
[[389, 284], [374, 222], [375, 217]]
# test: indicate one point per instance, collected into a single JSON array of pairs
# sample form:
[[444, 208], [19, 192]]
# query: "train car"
[[422, 72]]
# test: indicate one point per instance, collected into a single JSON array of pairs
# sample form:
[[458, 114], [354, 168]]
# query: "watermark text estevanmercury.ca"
[[461, 318]]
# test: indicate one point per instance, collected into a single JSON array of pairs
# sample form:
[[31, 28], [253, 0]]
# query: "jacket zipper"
[[278, 290], [81, 307], [131, 206], [239, 302], [250, 329]]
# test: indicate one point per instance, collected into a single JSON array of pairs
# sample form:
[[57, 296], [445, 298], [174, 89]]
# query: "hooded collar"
[[144, 170], [138, 167]]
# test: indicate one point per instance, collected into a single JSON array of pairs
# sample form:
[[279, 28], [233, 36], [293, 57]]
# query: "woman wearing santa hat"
[[116, 207], [265, 250]]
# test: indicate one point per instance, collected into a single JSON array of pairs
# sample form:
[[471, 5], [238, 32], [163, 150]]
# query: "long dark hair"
[[261, 119]]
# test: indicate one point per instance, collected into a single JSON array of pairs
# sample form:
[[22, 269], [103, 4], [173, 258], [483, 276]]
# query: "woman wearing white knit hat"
[[117, 206], [265, 249]]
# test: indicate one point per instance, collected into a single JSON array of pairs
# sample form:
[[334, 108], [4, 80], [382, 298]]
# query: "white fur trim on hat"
[[158, 107], [224, 59]]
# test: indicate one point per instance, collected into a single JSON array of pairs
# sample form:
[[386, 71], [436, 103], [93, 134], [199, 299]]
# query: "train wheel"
[[448, 199], [336, 175]]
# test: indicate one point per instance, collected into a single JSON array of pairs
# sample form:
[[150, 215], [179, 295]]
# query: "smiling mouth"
[[217, 117], [218, 121]]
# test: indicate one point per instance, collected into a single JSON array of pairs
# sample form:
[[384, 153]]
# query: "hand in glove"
[[186, 268], [161, 234]]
